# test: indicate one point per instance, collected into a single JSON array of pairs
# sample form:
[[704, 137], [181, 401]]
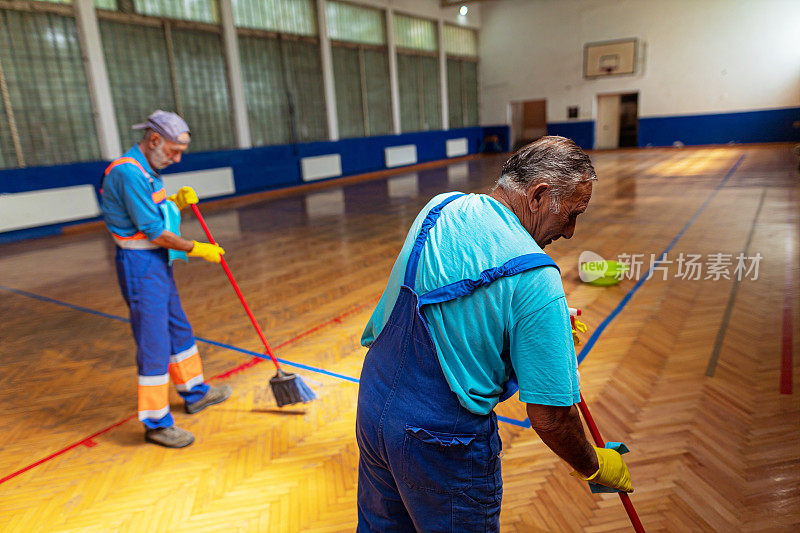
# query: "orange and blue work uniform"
[[133, 198]]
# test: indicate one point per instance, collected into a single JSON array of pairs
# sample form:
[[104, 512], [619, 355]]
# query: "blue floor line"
[[201, 339], [521, 423], [280, 360], [604, 324], [63, 304]]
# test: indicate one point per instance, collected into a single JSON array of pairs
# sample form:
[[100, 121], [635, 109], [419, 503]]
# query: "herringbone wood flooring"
[[708, 453]]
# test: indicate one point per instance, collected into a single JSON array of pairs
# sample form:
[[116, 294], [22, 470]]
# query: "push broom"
[[595, 432], [287, 388]]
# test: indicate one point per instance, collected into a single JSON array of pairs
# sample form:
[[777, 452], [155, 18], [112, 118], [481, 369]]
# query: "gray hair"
[[556, 161]]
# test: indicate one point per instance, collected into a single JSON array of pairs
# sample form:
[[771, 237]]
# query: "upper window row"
[[345, 21]]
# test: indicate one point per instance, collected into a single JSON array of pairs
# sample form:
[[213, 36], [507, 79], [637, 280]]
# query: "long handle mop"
[[578, 326], [287, 388], [598, 440]]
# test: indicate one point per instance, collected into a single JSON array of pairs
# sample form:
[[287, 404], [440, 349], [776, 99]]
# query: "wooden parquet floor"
[[709, 453]]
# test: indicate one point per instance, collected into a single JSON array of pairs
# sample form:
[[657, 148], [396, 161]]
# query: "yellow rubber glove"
[[185, 196], [210, 252], [612, 471], [577, 327]]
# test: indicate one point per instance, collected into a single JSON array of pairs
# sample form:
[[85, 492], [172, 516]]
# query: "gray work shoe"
[[213, 396], [171, 437]]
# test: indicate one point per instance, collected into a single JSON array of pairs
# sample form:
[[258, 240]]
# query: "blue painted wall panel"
[[272, 167], [256, 169], [503, 134], [582, 132], [773, 125]]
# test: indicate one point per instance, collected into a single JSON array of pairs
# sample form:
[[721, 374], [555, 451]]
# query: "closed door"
[[607, 125], [528, 121]]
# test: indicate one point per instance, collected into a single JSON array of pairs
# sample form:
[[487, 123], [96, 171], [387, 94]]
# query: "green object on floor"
[[603, 273]]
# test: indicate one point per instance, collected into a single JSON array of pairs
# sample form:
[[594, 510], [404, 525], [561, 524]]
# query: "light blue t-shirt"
[[520, 322]]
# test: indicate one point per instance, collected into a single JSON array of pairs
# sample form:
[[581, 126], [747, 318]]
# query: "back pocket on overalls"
[[436, 461]]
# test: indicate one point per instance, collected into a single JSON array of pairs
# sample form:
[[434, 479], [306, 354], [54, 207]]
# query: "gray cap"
[[166, 123]]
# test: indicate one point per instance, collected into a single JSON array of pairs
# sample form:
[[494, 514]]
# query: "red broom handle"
[[236, 289], [598, 440]]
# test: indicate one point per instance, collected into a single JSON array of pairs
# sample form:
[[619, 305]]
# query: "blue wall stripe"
[[264, 167], [255, 169], [771, 125]]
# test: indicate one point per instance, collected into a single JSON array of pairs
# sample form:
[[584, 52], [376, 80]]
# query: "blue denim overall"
[[426, 463]]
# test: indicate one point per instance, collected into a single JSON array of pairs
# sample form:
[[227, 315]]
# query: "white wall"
[[700, 56]]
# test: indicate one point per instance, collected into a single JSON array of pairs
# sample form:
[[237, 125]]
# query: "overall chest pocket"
[[437, 462]]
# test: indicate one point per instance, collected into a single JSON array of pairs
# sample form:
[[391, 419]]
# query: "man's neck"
[[504, 198], [145, 152]]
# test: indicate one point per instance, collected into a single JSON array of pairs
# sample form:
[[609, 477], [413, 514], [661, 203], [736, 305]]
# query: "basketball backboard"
[[610, 58]]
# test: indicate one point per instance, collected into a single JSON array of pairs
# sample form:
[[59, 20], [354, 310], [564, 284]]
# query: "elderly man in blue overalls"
[[474, 306], [144, 223]]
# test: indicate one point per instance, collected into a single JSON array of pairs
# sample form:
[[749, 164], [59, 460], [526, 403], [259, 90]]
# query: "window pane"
[[379, 99], [283, 89], [470, 72], [111, 5], [265, 90], [138, 71], [304, 81], [408, 75], [460, 41], [431, 95], [455, 90], [420, 99], [349, 103], [415, 33], [285, 16], [347, 22], [8, 154], [198, 10], [49, 95], [203, 88]]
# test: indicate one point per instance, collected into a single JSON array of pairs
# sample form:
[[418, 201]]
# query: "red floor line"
[[786, 345], [256, 360], [89, 441], [62, 451]]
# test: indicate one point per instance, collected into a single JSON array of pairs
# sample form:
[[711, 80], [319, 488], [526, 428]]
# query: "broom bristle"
[[290, 388]]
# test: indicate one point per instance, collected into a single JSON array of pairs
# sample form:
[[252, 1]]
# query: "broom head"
[[289, 389]]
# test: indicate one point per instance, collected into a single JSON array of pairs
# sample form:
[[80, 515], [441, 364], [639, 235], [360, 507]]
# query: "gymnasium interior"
[[320, 129]]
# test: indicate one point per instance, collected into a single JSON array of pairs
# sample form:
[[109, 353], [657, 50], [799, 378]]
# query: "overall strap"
[[416, 251], [122, 161], [468, 286]]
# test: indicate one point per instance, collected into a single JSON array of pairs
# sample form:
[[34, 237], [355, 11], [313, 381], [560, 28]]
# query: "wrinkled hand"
[[185, 196], [612, 471], [210, 252]]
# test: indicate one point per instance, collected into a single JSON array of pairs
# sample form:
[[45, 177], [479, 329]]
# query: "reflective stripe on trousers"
[[164, 340]]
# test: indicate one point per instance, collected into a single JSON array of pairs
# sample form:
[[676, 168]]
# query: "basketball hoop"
[[607, 69]]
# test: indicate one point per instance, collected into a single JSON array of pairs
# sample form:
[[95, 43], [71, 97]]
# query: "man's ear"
[[155, 137], [536, 195]]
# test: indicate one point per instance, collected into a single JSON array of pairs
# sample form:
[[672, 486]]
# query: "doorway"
[[528, 122], [617, 123]]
